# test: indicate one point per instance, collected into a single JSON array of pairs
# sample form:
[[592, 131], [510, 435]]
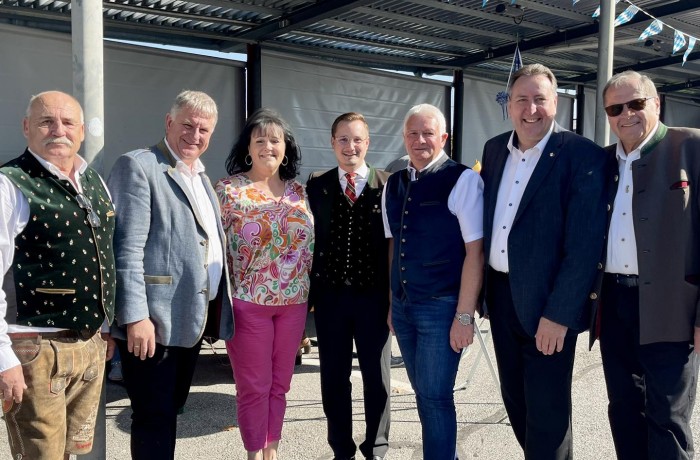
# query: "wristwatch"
[[464, 319]]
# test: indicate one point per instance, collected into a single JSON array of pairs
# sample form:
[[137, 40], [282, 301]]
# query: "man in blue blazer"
[[544, 229], [172, 281]]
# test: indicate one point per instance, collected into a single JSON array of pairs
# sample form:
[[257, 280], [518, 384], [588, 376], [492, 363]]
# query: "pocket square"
[[680, 184]]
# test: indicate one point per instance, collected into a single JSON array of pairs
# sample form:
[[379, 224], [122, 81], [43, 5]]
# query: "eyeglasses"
[[84, 203], [635, 104], [344, 141]]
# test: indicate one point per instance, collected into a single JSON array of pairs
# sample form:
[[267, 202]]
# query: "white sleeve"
[[385, 219], [14, 214], [466, 201]]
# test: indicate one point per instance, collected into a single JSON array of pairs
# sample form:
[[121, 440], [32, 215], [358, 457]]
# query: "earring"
[[248, 160], [285, 161]]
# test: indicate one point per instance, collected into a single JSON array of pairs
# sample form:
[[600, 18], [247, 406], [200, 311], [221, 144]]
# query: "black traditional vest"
[[63, 268], [428, 246], [353, 254]]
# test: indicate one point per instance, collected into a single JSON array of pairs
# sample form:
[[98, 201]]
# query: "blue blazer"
[[160, 248], [558, 234]]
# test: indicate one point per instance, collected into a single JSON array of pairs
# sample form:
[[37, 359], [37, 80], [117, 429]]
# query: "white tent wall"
[[140, 86], [311, 94], [484, 118], [680, 112]]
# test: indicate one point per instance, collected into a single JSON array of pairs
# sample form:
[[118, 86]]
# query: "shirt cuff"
[[8, 359]]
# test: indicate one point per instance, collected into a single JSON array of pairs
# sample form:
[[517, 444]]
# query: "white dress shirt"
[[465, 202], [361, 176], [215, 255], [621, 256], [516, 175], [14, 215]]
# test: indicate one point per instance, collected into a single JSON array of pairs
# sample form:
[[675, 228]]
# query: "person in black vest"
[[433, 215], [350, 289], [56, 230]]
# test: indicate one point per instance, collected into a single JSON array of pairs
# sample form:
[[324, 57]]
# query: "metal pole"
[[88, 88], [88, 75], [458, 121], [606, 50]]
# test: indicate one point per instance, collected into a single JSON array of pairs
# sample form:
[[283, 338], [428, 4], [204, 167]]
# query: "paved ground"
[[207, 428]]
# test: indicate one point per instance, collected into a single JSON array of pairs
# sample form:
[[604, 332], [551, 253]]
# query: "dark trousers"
[[341, 315], [651, 388], [158, 387], [536, 389]]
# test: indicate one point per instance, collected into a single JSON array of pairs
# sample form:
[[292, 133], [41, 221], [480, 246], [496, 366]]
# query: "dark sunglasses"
[[84, 203], [635, 104]]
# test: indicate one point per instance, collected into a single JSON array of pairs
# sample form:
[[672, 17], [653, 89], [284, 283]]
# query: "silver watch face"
[[464, 318]]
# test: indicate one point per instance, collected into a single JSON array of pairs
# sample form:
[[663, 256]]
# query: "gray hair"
[[427, 110], [198, 102], [532, 70], [37, 97], [630, 77]]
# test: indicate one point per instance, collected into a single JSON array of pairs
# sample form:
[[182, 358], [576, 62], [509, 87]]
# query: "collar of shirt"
[[79, 164], [361, 173], [539, 146], [620, 151], [197, 166], [412, 170]]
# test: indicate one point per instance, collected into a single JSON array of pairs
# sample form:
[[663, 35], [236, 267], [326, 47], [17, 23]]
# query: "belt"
[[67, 334], [624, 280]]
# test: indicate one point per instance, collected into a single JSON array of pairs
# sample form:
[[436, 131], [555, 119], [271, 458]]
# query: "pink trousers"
[[262, 353]]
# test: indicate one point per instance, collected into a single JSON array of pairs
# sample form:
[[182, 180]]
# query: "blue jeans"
[[423, 332]]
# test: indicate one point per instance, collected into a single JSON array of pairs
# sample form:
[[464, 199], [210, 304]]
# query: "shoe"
[[115, 373], [396, 361], [297, 361], [344, 458]]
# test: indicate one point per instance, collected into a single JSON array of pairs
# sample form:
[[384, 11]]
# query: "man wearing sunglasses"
[[544, 221], [56, 229], [649, 314]]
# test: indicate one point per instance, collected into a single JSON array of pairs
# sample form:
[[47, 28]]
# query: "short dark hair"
[[348, 118], [532, 70], [262, 119]]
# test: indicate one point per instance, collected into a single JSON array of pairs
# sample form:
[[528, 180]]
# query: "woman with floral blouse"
[[270, 242]]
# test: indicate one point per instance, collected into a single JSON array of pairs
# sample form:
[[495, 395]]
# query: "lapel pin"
[[551, 154]]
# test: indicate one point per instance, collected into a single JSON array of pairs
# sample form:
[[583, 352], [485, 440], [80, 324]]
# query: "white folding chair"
[[480, 331]]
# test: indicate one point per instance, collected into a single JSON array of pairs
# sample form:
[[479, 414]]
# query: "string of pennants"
[[654, 28]]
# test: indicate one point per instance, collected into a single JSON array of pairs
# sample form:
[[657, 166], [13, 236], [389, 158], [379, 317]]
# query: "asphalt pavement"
[[207, 428]]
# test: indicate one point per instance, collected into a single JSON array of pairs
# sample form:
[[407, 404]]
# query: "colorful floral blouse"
[[270, 242]]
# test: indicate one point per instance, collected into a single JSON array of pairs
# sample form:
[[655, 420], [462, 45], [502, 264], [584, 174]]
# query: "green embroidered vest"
[[63, 268]]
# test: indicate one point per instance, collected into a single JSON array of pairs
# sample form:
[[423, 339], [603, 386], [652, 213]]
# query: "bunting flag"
[[678, 41], [654, 29], [691, 45], [626, 15], [502, 96]]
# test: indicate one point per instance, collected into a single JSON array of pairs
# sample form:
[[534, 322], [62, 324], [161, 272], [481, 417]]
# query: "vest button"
[[404, 281], [405, 227], [403, 240], [403, 269], [405, 212], [593, 296], [600, 266]]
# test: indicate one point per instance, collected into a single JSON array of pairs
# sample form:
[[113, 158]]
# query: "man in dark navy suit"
[[544, 229]]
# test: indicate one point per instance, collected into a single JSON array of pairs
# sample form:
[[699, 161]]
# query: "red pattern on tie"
[[350, 188]]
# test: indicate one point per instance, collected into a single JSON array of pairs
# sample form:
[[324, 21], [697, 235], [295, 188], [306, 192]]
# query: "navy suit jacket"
[[557, 236]]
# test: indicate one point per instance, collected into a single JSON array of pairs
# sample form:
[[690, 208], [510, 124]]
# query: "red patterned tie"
[[350, 188]]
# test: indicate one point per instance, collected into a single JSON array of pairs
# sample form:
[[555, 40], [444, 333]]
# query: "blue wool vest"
[[63, 270], [428, 246]]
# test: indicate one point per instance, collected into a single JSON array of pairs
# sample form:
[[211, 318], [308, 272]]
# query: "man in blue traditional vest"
[[648, 318], [56, 228], [433, 214]]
